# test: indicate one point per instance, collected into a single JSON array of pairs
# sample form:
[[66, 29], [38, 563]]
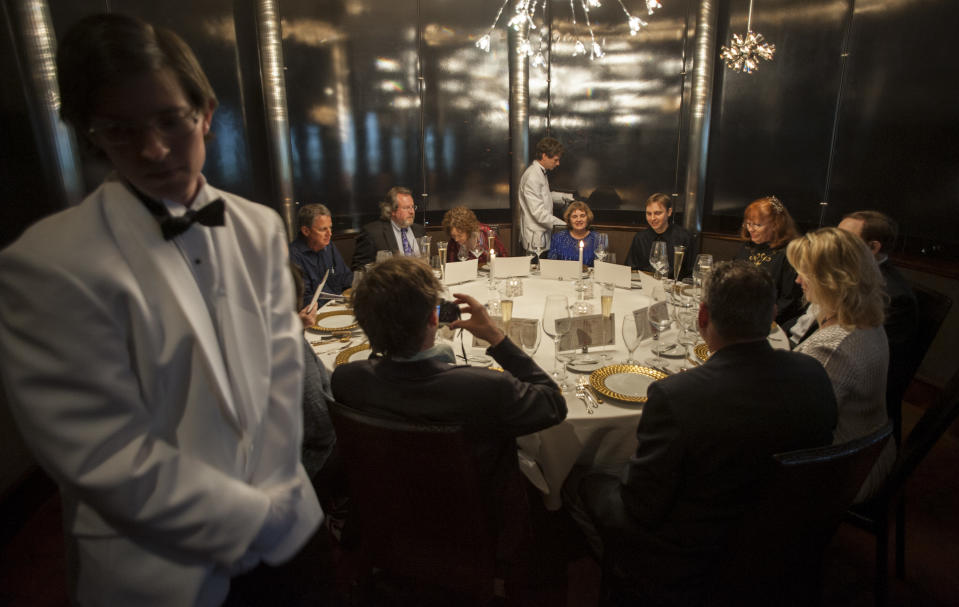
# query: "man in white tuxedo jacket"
[[153, 365], [536, 199]]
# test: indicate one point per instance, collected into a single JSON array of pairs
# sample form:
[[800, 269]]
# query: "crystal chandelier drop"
[[524, 16], [743, 53]]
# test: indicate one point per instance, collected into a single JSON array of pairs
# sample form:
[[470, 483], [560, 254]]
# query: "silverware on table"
[[581, 393]]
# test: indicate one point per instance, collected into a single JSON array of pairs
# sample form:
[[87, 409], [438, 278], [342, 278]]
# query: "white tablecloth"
[[605, 438]]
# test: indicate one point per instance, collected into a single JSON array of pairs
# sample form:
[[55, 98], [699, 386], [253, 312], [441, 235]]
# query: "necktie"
[[210, 215], [407, 249]]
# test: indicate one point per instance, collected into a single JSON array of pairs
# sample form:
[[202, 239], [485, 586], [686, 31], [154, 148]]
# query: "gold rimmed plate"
[[335, 320], [702, 352], [350, 354], [624, 382]]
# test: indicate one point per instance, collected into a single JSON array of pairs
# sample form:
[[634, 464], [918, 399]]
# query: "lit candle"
[[581, 244]]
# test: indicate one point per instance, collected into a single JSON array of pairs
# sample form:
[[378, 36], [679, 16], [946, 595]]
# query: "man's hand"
[[308, 315], [478, 323]]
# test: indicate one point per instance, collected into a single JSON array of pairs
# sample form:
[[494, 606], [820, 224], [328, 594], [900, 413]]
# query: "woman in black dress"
[[767, 229]]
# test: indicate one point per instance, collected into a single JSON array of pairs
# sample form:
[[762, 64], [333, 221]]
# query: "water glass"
[[556, 324], [382, 256]]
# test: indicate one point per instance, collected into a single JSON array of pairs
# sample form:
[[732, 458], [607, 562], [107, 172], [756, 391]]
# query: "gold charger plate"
[[345, 355], [702, 352], [347, 326], [619, 381]]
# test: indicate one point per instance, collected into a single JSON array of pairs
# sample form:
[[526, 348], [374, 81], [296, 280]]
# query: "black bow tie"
[[210, 215]]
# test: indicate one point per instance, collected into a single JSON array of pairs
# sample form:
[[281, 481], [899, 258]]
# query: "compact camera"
[[447, 311]]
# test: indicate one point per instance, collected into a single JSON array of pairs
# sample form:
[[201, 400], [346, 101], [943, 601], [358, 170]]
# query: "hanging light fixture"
[[525, 17], [744, 52]]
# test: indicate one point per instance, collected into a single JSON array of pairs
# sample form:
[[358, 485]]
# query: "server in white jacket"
[[149, 347], [535, 198]]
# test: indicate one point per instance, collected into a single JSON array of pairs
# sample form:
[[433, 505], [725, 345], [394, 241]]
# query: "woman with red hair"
[[767, 229]]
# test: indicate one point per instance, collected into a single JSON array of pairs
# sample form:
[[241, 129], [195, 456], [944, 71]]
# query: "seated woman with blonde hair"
[[565, 245], [839, 276], [462, 226]]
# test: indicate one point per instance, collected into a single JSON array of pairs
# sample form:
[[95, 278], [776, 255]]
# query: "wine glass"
[[477, 243], [659, 321], [658, 259], [537, 244], [556, 324], [462, 253], [631, 336], [529, 337], [600, 246]]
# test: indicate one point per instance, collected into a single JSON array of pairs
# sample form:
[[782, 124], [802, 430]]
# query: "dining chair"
[[417, 504], [775, 553], [874, 515], [905, 359]]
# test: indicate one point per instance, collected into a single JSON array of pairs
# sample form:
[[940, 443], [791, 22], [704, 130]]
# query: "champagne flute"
[[631, 337], [679, 251], [606, 305], [658, 259], [506, 312], [600, 246], [659, 321], [556, 324], [688, 331], [701, 271]]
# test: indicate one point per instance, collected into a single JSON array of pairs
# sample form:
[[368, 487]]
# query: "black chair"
[[417, 504], [775, 552], [904, 359], [874, 515]]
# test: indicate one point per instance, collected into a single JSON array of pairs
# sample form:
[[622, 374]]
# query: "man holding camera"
[[410, 377]]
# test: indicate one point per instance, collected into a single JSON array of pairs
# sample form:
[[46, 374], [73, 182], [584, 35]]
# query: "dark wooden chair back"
[[775, 553], [416, 501], [933, 307]]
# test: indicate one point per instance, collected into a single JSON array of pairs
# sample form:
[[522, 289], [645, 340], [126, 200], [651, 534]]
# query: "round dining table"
[[600, 437]]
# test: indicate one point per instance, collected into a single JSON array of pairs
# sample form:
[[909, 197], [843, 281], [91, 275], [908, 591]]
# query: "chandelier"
[[744, 52], [525, 17]]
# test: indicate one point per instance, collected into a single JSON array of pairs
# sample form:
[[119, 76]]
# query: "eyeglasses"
[[414, 208], [753, 226], [168, 125]]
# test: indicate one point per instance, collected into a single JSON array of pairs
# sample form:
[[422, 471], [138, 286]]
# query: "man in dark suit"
[[706, 439], [409, 377], [394, 231], [902, 313]]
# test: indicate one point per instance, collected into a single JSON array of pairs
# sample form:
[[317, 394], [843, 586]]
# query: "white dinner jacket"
[[162, 441], [536, 205]]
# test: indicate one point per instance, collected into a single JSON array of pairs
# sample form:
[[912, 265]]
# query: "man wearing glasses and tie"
[[394, 231], [152, 357]]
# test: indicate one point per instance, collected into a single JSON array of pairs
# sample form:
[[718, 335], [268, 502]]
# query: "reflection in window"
[[373, 157]]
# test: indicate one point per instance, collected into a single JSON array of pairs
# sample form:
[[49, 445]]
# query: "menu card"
[[611, 272], [642, 323], [558, 268], [460, 271], [505, 267], [589, 331], [519, 329]]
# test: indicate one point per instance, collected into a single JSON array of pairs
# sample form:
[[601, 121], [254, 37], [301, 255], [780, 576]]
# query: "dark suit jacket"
[[378, 236], [706, 439], [493, 407], [902, 319]]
